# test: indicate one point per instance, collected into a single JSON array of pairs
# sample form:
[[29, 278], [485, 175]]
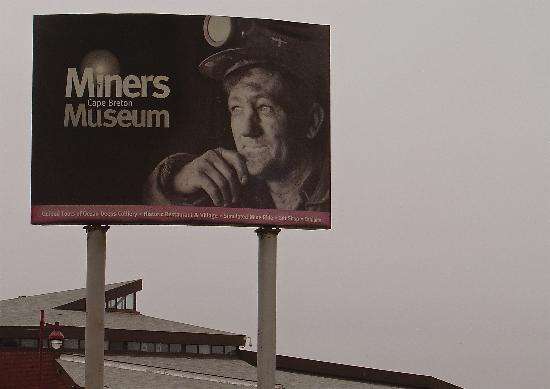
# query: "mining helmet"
[[298, 48]]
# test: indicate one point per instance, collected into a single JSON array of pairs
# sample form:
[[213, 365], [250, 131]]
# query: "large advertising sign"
[[170, 119]]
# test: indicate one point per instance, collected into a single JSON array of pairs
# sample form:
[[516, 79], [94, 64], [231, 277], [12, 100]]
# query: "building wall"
[[20, 369]]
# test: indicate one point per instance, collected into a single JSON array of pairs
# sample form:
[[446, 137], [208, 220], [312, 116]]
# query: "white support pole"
[[267, 299], [95, 305]]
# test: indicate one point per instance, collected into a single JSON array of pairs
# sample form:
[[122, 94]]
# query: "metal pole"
[[95, 305], [41, 337], [267, 299]]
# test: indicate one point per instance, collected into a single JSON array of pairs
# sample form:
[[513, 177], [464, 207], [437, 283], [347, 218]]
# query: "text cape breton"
[[90, 114]]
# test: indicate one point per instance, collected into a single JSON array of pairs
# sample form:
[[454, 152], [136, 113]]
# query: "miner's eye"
[[265, 109], [235, 109]]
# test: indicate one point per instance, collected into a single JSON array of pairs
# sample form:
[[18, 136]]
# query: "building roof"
[[19, 319], [131, 372], [68, 308]]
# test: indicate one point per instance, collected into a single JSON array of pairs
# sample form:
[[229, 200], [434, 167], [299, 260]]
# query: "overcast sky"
[[438, 261]]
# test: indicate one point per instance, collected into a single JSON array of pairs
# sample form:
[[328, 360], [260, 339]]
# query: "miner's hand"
[[220, 173]]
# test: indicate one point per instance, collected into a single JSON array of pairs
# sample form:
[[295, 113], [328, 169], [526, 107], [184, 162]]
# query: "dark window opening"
[[191, 349], [9, 343], [117, 346]]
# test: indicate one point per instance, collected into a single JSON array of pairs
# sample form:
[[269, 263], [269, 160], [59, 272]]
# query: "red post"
[[40, 349]]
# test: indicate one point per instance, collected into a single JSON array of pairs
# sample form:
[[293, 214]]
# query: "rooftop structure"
[[144, 352]]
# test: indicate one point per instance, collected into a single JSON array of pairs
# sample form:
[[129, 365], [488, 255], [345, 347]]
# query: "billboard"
[[172, 119]]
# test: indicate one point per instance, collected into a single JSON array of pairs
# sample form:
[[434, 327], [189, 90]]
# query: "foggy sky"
[[438, 261]]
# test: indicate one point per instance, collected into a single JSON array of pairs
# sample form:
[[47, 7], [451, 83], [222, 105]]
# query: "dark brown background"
[[83, 165]]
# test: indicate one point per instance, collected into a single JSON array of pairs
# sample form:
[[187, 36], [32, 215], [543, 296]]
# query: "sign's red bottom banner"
[[141, 214]]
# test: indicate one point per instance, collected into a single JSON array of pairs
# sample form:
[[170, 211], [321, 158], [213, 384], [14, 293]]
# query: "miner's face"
[[260, 122]]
